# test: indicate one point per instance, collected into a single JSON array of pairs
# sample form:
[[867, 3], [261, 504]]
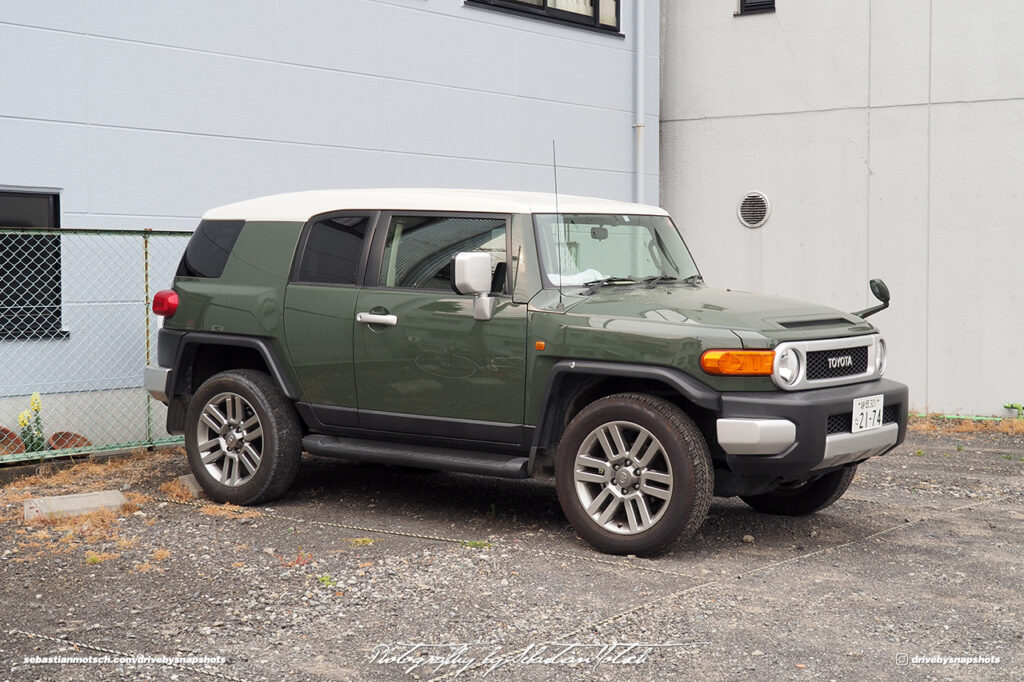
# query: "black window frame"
[[375, 261], [49, 322], [371, 226], [556, 15], [754, 7]]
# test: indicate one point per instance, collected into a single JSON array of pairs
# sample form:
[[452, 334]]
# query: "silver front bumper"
[[755, 436], [844, 448], [154, 380]]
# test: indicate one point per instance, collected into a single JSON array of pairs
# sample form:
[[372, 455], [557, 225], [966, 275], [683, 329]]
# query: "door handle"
[[373, 318]]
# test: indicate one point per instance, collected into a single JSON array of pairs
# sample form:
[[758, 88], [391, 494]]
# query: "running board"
[[420, 456]]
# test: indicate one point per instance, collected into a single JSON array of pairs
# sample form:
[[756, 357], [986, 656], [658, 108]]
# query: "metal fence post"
[[145, 312]]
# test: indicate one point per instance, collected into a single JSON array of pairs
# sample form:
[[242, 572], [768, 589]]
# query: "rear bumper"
[[156, 380], [776, 434]]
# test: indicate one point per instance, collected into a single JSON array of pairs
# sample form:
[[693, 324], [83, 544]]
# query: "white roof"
[[300, 206]]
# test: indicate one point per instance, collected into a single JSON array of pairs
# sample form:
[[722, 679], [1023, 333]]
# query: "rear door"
[[430, 368], [320, 312]]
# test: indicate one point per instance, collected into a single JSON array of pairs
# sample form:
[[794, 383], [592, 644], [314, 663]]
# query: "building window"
[[599, 14], [754, 6], [29, 267]]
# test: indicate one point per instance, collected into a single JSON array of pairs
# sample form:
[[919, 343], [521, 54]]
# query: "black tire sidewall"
[[684, 503], [268, 403], [816, 496]]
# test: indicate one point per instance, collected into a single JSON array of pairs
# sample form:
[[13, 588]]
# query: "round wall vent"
[[753, 209]]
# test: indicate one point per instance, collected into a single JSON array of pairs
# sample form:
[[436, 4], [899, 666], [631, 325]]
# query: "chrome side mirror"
[[471, 274]]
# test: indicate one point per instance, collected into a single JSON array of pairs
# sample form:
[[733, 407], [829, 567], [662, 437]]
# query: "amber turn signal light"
[[738, 362]]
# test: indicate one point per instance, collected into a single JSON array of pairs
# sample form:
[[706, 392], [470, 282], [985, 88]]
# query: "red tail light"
[[165, 303]]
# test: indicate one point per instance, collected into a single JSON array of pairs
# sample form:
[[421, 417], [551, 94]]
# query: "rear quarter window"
[[208, 250]]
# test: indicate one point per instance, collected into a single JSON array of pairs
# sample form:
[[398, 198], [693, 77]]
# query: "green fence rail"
[[75, 333]]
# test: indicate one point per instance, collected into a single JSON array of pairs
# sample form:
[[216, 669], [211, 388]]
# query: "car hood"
[[777, 318]]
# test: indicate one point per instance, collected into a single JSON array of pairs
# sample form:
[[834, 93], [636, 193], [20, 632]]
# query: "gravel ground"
[[358, 565]]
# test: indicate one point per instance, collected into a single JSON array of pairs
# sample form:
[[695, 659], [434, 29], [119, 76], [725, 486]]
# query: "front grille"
[[843, 423], [842, 362], [840, 423], [890, 413]]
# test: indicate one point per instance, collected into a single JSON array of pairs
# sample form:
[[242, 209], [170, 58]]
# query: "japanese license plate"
[[867, 413]]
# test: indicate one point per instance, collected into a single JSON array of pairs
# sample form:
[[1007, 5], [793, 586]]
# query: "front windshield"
[[577, 249]]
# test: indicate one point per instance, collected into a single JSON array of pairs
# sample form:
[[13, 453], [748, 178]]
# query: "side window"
[[208, 249], [332, 250], [418, 250]]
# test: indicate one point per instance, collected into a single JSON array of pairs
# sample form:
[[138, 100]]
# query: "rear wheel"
[[242, 437], [804, 499], [633, 474]]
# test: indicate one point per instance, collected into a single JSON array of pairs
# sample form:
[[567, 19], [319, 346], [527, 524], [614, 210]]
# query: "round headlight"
[[789, 367], [880, 357]]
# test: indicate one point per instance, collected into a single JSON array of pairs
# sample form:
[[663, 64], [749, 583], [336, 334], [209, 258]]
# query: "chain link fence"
[[75, 332]]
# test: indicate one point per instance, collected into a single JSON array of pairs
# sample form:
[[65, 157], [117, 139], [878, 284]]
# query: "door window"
[[418, 250], [332, 251]]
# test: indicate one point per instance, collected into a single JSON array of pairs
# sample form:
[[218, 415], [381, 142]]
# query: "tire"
[[806, 499], [249, 458], [669, 474]]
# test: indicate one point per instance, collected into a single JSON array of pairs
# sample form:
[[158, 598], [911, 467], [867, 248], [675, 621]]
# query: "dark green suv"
[[503, 333]]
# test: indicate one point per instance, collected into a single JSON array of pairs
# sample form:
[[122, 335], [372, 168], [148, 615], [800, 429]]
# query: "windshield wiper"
[[657, 279], [693, 280], [598, 283]]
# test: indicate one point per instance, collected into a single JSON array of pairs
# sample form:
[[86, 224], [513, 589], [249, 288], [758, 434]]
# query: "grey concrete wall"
[[887, 137]]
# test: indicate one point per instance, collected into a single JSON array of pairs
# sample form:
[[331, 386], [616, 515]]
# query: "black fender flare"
[[688, 388], [187, 342]]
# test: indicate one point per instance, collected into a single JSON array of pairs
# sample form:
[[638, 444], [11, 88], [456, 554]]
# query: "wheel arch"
[[574, 384], [201, 355]]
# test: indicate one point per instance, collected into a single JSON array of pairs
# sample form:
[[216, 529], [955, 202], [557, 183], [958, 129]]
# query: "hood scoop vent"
[[812, 324]]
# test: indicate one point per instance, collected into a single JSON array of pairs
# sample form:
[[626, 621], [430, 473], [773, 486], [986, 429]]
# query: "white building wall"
[[147, 114], [888, 138]]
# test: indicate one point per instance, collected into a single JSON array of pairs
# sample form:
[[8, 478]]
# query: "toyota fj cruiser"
[[502, 333]]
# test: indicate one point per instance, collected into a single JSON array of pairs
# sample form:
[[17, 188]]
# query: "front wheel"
[[242, 437], [806, 498], [633, 474]]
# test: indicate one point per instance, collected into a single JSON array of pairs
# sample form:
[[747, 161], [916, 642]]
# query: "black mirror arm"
[[872, 310]]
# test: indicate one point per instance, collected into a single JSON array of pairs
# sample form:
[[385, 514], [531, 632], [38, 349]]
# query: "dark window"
[[418, 250], [755, 6], [29, 267], [602, 14], [208, 249], [333, 249]]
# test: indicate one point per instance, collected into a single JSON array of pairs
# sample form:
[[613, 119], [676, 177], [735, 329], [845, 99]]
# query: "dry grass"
[[359, 542], [159, 555], [937, 425], [89, 475], [144, 567], [230, 511], [92, 557], [178, 491]]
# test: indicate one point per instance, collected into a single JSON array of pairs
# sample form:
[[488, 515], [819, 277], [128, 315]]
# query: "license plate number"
[[867, 413]]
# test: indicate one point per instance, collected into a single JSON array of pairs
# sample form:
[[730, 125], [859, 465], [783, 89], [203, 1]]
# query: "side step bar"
[[420, 456]]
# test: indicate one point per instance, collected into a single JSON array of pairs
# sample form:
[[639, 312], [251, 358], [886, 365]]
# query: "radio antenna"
[[558, 226]]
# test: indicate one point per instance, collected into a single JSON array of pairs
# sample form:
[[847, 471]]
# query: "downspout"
[[638, 123]]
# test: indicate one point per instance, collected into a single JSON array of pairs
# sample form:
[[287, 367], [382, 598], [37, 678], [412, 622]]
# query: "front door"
[[423, 365]]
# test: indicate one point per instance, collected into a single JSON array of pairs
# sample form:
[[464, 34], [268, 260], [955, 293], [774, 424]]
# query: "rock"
[[748, 539]]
